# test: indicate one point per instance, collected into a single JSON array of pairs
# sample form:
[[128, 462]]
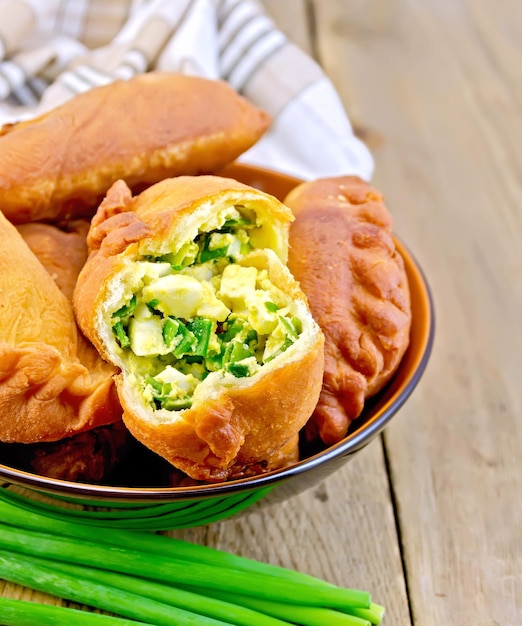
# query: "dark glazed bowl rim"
[[103, 495]]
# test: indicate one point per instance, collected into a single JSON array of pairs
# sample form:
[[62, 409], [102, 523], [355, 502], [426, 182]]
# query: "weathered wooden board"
[[435, 88]]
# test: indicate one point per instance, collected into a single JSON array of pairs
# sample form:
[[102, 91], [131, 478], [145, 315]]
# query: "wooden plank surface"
[[435, 88]]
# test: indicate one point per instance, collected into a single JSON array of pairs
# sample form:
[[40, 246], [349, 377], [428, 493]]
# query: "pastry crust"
[[153, 126], [89, 456], [62, 252], [235, 426], [343, 255], [52, 382]]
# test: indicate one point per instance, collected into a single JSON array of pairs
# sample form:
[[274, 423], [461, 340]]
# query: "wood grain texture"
[[435, 89]]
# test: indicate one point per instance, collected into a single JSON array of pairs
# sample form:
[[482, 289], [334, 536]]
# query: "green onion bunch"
[[150, 579]]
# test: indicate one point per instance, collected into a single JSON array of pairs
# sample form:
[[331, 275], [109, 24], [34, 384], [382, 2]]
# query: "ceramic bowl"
[[159, 507]]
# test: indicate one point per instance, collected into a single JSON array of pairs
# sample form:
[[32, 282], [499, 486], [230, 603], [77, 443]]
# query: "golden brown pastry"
[[52, 383], [91, 455], [62, 252], [343, 254], [187, 292], [153, 126]]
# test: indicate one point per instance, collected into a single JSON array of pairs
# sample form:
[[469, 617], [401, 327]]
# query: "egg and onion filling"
[[197, 312]]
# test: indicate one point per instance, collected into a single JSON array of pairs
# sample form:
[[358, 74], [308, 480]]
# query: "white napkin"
[[51, 50]]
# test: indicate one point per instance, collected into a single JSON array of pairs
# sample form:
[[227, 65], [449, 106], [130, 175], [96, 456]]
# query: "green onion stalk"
[[149, 543], [24, 613], [160, 580], [176, 571], [24, 571]]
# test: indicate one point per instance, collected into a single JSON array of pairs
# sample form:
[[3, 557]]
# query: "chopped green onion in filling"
[[200, 312]]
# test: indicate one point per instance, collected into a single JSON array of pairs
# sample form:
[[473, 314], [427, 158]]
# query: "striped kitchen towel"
[[51, 50]]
